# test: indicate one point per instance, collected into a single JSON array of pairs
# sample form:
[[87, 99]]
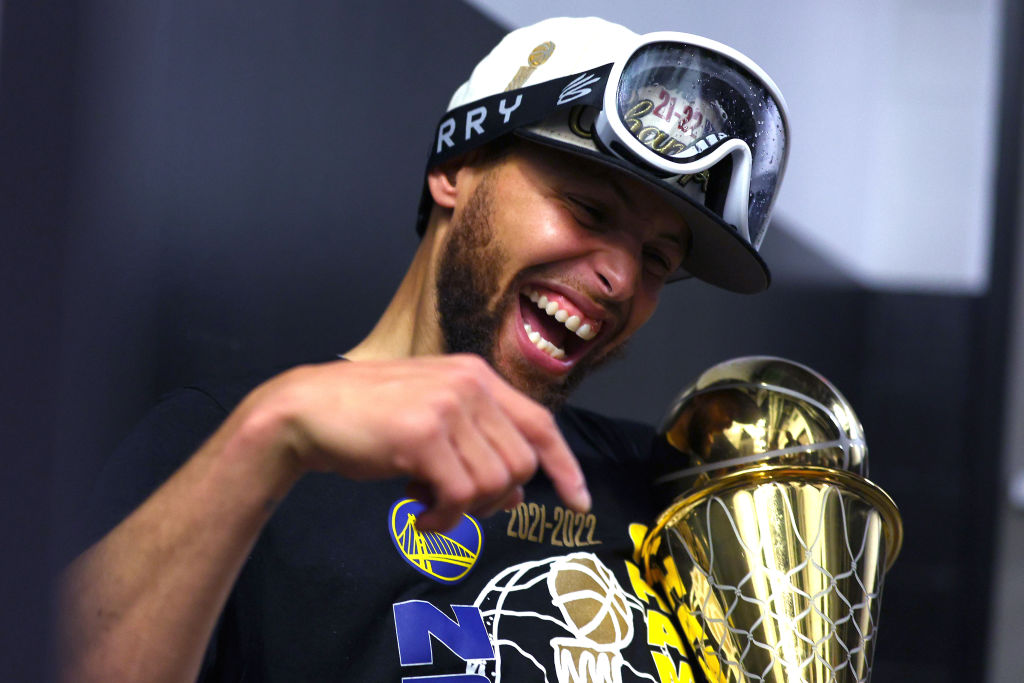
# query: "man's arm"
[[142, 603]]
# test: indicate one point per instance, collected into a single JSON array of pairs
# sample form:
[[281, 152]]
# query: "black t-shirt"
[[341, 587]]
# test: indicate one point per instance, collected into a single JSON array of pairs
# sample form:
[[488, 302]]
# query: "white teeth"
[[583, 330], [542, 343]]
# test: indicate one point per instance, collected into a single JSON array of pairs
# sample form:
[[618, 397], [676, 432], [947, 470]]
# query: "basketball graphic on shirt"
[[568, 619], [591, 601]]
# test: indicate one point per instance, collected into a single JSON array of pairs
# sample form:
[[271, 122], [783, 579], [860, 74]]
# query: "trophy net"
[[775, 573]]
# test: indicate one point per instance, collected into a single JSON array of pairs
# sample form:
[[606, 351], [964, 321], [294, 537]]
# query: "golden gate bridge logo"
[[445, 557]]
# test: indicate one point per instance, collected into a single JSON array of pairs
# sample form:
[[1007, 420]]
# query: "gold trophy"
[[774, 550]]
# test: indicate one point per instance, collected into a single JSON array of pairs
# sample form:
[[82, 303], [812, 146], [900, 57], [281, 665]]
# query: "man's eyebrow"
[[677, 238], [618, 190], [602, 177]]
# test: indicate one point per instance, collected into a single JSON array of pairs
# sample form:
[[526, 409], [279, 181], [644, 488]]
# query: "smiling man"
[[549, 264], [379, 517]]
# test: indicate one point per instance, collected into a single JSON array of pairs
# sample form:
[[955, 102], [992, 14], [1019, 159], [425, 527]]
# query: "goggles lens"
[[682, 102]]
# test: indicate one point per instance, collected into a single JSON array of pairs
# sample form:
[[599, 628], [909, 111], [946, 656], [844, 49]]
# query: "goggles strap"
[[487, 119]]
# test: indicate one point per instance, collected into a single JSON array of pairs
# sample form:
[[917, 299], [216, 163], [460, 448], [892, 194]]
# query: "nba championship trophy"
[[774, 549]]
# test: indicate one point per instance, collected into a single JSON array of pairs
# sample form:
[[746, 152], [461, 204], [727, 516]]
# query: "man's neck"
[[408, 327]]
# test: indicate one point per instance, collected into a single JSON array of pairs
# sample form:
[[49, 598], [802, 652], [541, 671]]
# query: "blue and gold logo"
[[446, 557]]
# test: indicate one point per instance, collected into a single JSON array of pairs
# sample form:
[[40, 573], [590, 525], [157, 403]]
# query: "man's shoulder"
[[224, 392]]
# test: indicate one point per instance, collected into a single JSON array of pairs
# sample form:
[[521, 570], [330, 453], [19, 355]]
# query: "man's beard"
[[468, 280]]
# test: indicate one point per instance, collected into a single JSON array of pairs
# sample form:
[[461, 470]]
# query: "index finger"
[[537, 425]]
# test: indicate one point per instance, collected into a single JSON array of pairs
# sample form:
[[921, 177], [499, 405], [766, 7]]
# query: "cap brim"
[[717, 254]]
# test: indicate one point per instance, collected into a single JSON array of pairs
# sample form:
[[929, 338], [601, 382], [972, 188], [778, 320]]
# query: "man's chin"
[[542, 387]]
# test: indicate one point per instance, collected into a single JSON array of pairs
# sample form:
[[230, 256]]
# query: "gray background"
[[193, 189]]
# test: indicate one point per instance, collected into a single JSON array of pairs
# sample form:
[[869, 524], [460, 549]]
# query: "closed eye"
[[665, 255], [662, 263], [593, 214]]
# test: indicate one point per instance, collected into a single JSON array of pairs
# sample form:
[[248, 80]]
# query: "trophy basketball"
[[774, 550]]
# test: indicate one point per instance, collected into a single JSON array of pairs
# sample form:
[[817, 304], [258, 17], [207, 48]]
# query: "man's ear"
[[443, 180], [443, 183]]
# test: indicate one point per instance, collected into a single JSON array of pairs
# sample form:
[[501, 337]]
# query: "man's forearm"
[[142, 603]]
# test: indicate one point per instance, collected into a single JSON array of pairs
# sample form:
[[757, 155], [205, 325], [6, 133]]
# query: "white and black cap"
[[690, 116]]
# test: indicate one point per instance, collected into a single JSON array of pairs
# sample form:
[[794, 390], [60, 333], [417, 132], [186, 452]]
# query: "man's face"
[[551, 264]]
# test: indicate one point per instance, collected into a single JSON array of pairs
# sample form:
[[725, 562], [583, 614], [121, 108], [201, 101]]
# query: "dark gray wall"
[[35, 101], [194, 189]]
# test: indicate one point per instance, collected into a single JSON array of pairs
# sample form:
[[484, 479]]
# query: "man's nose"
[[617, 265]]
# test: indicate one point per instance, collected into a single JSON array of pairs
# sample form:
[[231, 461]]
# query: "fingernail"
[[518, 497], [583, 500]]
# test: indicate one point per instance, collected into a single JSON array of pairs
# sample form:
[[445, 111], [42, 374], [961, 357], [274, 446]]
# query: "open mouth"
[[555, 325]]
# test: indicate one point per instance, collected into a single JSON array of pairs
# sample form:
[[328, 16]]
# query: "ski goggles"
[[689, 114]]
